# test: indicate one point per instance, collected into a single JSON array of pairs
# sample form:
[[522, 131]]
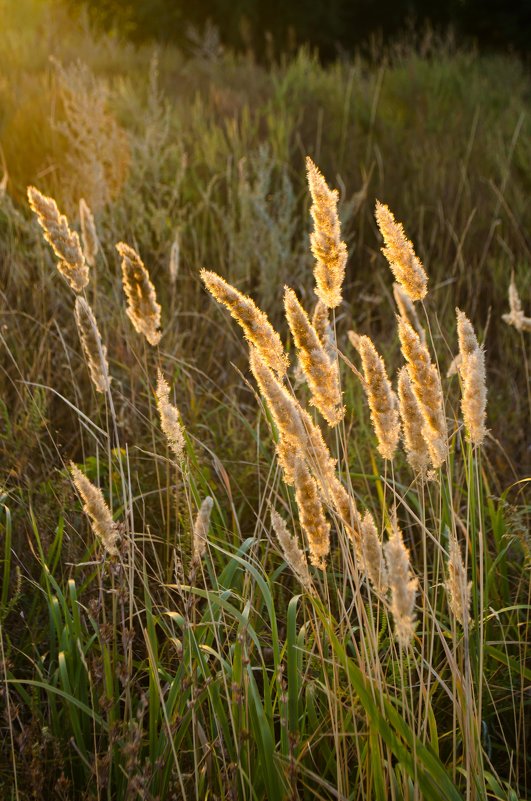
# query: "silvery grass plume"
[[292, 553], [326, 245], [255, 324], [370, 553], [399, 252], [426, 386], [418, 455], [457, 587], [311, 514], [142, 307], [516, 316], [382, 399], [65, 243], [472, 372], [406, 309], [403, 587], [200, 532], [175, 255], [454, 366], [170, 419], [321, 372], [94, 505], [93, 348], [88, 233]]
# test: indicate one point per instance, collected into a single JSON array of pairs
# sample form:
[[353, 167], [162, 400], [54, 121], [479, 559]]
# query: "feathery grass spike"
[[382, 399], [325, 240], [95, 506], [403, 587], [89, 235], [322, 373], [457, 586], [474, 388], [371, 552], [255, 324], [142, 307], [516, 316], [406, 308], [170, 420], [293, 554], [200, 532], [426, 386], [93, 348], [311, 515], [175, 254], [65, 243], [417, 452], [405, 265]]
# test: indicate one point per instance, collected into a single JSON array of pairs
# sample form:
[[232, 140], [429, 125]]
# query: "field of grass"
[[190, 656]]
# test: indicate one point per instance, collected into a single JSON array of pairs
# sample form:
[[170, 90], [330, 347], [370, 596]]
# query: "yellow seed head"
[[65, 243], [200, 533], [417, 451], [170, 419], [256, 327], [311, 515], [403, 587], [472, 372], [457, 587], [142, 307], [382, 400], [88, 233], [291, 551], [93, 348], [95, 507], [516, 316], [326, 245], [407, 310], [398, 251]]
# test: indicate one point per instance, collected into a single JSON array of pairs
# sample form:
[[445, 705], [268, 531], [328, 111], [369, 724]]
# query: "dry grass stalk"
[[417, 452], [472, 372], [406, 308], [457, 587], [94, 505], [200, 532], [88, 233], [382, 399], [370, 553], [65, 243], [175, 256], [326, 245], [516, 316], [293, 554], [403, 587], [170, 419], [93, 348], [322, 373], [142, 307], [311, 515], [255, 324], [399, 252], [426, 384]]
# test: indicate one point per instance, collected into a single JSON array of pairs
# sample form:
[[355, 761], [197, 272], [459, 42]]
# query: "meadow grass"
[[174, 641]]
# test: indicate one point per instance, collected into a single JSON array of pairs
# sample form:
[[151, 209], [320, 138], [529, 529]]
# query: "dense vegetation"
[[139, 676]]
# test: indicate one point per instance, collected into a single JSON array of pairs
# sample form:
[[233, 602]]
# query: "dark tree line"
[[332, 26]]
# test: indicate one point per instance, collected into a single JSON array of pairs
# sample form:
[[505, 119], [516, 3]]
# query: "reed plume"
[[175, 255], [417, 452], [354, 339], [170, 419], [142, 307], [403, 587], [406, 309], [370, 553], [94, 505], [472, 372], [311, 515], [65, 243], [200, 532], [93, 348], [426, 386], [293, 554], [89, 235], [255, 324], [457, 587], [516, 316], [326, 245], [382, 399], [322, 373], [405, 265]]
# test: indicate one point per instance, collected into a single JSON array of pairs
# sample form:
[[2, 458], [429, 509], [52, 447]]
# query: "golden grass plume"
[[89, 234], [292, 552], [93, 347], [142, 307], [95, 506], [382, 399], [170, 419], [474, 387], [405, 265], [403, 587], [417, 452], [516, 316]]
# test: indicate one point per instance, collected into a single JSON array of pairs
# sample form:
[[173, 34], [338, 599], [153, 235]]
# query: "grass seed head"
[[293, 554], [417, 452], [457, 586], [474, 387], [93, 348], [89, 235], [200, 532], [398, 250], [311, 515], [403, 587], [95, 506], [382, 399], [142, 307], [516, 316], [170, 419]]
